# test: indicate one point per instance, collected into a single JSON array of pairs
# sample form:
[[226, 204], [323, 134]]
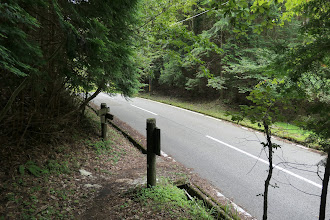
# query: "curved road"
[[231, 158]]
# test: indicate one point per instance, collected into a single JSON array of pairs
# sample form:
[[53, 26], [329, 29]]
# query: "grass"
[[292, 132], [168, 200], [221, 111]]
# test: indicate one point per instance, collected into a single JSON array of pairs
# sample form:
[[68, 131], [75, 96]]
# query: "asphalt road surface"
[[231, 158]]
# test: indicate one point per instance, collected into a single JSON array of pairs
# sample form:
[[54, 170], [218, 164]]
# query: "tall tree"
[[49, 49], [267, 99], [171, 44]]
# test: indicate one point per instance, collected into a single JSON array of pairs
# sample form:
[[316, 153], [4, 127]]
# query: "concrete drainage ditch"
[[193, 193]]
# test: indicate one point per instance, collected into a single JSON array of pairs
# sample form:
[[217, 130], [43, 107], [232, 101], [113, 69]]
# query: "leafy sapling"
[[267, 98]]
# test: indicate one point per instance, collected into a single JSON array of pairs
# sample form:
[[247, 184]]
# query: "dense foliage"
[[225, 48], [52, 49]]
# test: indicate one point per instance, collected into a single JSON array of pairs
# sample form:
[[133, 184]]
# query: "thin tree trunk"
[[98, 91], [83, 105], [270, 171], [325, 183]]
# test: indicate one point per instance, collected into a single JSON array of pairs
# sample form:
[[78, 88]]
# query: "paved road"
[[231, 158]]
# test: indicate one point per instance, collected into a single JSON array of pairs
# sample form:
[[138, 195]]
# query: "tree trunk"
[[84, 103], [150, 84], [98, 91], [325, 183], [270, 171], [84, 108]]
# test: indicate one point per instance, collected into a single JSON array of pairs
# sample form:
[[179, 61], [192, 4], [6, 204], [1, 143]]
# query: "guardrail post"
[[153, 149], [104, 128]]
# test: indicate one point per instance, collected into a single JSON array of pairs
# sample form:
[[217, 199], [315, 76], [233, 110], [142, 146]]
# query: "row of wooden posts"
[[153, 141]]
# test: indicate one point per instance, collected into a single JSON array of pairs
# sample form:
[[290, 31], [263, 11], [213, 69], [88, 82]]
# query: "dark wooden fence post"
[[104, 129], [153, 149]]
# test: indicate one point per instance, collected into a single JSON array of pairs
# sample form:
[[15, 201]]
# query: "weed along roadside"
[[203, 194]]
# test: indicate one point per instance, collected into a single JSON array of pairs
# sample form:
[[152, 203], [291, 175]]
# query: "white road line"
[[236, 207], [163, 154], [144, 109], [265, 162], [207, 116], [183, 109], [298, 145]]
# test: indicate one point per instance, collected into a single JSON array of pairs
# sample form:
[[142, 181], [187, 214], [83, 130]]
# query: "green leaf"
[[21, 169]]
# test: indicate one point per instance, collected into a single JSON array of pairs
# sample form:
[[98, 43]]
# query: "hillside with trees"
[[223, 50], [207, 50]]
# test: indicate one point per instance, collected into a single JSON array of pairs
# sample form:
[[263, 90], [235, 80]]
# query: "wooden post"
[[151, 156], [104, 128]]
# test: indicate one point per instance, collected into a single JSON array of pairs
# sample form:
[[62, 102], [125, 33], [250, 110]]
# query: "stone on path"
[[85, 172], [97, 186]]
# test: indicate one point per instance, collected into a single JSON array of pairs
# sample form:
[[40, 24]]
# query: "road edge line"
[[266, 162], [143, 109]]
